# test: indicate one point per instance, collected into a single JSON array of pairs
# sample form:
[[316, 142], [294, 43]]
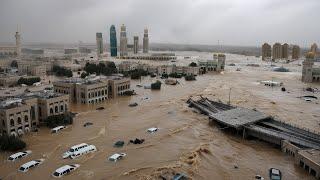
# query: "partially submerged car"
[[31, 164], [87, 124], [74, 149], [116, 157], [118, 144], [152, 130], [19, 155], [57, 129], [66, 169], [85, 150], [275, 174], [133, 104]]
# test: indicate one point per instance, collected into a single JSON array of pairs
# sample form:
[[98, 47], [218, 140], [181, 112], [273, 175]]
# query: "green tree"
[[156, 85], [11, 143], [14, 64], [193, 64]]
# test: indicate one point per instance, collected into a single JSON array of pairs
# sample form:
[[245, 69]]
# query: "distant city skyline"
[[202, 22]]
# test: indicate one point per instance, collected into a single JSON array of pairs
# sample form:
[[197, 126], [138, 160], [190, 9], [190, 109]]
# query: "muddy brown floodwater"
[[185, 142]]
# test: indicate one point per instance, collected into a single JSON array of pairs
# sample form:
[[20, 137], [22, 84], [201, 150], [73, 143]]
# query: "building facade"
[[266, 52], [295, 52], [221, 61], [99, 42], [113, 41], [276, 51], [135, 44], [285, 51], [123, 41], [314, 48], [118, 86], [22, 114], [92, 90], [146, 41], [309, 73]]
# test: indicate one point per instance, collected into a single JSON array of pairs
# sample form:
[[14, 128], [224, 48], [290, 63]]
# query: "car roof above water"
[[64, 168]]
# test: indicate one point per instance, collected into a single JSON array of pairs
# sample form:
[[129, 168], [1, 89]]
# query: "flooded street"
[[185, 142]]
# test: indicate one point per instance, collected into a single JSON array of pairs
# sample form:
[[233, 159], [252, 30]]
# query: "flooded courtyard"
[[185, 142]]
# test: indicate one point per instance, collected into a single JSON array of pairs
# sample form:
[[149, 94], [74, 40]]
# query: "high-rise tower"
[[295, 52], [145, 41], [135, 44], [99, 44], [113, 41], [266, 51], [314, 48], [285, 51], [123, 41], [307, 68], [276, 51], [18, 44]]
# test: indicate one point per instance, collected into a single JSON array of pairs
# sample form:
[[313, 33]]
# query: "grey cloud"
[[233, 22]]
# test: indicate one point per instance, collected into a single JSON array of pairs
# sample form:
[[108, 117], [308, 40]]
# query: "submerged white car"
[[31, 164], [18, 155], [85, 150], [73, 149], [66, 169], [152, 130], [116, 157]]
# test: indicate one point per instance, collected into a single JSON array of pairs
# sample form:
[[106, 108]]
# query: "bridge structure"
[[251, 122]]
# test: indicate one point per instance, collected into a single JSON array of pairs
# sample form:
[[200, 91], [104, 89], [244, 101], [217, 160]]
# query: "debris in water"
[[100, 108]]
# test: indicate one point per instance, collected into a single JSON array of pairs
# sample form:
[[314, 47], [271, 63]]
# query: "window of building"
[[56, 109], [61, 108], [26, 118], [19, 120], [3, 123], [51, 111]]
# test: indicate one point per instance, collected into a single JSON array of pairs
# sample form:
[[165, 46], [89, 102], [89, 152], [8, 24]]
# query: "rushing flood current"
[[185, 142]]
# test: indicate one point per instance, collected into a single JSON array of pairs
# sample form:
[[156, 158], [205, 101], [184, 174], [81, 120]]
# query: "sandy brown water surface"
[[185, 142]]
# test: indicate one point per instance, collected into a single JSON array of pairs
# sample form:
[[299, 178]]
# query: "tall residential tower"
[[99, 44], [123, 41], [113, 41], [145, 41], [135, 44], [18, 44], [266, 52], [295, 52]]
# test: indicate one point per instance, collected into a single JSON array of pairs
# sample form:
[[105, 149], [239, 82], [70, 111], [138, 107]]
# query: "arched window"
[[56, 109], [26, 118], [61, 108], [3, 123], [19, 120], [51, 111], [11, 122]]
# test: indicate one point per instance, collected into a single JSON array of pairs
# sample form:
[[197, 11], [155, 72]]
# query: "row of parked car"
[[74, 152]]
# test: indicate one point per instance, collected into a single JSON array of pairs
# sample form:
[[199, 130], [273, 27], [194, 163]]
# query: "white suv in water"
[[64, 170], [73, 149], [25, 167], [18, 155]]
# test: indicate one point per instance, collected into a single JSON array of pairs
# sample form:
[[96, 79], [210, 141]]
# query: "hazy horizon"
[[186, 22]]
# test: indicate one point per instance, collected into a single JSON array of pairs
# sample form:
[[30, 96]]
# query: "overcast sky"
[[232, 22]]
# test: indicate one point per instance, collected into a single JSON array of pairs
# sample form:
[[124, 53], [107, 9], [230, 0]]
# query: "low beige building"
[[117, 86], [168, 69], [93, 89], [14, 117], [19, 115], [39, 71]]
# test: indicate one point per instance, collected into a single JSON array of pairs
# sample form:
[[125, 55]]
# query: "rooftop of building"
[[11, 103], [93, 79], [311, 154]]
